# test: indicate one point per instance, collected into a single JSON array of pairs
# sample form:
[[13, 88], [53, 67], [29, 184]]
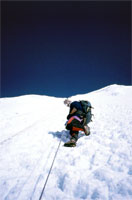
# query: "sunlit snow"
[[99, 168]]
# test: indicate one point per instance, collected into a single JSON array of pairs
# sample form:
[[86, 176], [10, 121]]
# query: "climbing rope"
[[50, 169]]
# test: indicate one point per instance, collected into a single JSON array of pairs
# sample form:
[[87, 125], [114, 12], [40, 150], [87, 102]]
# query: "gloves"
[[69, 116]]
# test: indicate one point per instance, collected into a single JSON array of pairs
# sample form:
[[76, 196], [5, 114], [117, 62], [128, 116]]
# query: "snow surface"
[[99, 168]]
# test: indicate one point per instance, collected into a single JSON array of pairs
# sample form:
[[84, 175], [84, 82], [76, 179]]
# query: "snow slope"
[[99, 168]]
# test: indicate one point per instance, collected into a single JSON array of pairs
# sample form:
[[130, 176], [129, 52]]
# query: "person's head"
[[67, 102]]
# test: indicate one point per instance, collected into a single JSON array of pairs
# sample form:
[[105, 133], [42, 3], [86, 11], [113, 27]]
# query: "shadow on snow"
[[64, 135]]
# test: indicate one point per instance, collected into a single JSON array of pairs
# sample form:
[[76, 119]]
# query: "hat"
[[67, 102]]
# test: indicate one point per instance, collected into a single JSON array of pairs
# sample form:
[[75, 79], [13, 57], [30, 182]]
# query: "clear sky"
[[64, 48]]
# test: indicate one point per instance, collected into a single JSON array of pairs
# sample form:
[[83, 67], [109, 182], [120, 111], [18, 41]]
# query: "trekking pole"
[[50, 169]]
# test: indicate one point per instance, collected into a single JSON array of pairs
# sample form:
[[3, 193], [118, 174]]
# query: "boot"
[[71, 143], [86, 130]]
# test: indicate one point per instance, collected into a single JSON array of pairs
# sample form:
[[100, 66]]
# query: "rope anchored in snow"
[[50, 170]]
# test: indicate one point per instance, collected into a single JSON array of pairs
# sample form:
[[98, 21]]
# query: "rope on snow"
[[50, 169]]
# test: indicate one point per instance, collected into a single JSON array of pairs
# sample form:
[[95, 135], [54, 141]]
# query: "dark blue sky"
[[64, 48]]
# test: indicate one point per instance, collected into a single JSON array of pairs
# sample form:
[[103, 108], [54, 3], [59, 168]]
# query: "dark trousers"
[[74, 126]]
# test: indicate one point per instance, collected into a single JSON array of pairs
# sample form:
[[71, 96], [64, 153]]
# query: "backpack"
[[86, 105]]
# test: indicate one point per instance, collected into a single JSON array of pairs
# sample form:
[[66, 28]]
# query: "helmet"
[[67, 102]]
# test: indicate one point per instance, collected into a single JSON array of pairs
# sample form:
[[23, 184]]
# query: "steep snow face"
[[100, 167]]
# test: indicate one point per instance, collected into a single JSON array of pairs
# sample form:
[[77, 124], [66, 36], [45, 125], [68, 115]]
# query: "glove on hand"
[[69, 116]]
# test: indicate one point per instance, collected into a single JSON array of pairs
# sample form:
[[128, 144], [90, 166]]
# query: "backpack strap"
[[85, 104]]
